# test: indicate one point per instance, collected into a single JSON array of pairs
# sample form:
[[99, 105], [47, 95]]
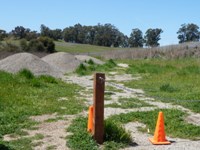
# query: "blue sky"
[[124, 14]]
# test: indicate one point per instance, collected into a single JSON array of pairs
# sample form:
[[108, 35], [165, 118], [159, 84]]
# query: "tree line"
[[103, 35]]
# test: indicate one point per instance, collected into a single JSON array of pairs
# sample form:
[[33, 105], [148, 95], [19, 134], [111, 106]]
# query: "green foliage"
[[188, 32], [80, 139], [5, 146], [115, 136], [91, 67], [42, 44], [136, 38], [81, 70], [48, 44], [3, 34], [152, 36], [167, 88], [48, 79], [116, 133], [23, 45], [26, 73], [103, 35], [53, 34], [91, 62], [9, 46], [36, 45]]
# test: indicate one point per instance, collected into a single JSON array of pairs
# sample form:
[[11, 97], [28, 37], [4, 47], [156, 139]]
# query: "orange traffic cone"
[[159, 135], [90, 120]]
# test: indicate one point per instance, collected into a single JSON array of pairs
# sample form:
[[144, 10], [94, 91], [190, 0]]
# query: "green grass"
[[81, 48], [128, 103], [90, 67], [175, 126], [80, 139], [175, 81], [24, 95], [23, 143], [115, 136]]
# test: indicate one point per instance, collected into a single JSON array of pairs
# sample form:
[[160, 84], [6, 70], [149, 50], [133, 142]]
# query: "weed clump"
[[88, 67], [26, 73], [116, 133], [167, 88]]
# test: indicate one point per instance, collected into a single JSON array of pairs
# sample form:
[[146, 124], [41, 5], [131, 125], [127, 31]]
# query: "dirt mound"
[[83, 58], [29, 61], [65, 62]]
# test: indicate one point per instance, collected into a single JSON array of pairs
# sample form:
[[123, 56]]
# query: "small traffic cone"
[[90, 120], [159, 134]]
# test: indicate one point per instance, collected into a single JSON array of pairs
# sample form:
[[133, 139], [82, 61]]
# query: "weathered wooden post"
[[98, 98]]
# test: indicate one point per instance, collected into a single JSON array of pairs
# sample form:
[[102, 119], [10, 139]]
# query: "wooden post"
[[98, 97]]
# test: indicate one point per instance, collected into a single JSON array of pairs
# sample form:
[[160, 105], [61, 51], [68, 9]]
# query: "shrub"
[[23, 45], [36, 45], [167, 88], [48, 44], [91, 62], [11, 47]]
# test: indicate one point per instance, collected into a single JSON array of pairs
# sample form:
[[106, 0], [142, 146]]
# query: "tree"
[[44, 31], [152, 36], [188, 32], [31, 35], [69, 34], [53, 34], [56, 34], [3, 34], [20, 32], [136, 38]]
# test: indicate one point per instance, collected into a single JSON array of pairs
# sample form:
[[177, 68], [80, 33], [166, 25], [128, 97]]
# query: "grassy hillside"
[[81, 48]]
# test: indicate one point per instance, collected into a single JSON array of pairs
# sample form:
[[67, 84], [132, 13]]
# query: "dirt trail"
[[87, 82], [53, 132]]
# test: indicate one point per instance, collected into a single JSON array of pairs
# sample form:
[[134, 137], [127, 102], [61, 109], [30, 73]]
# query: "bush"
[[167, 88], [48, 44], [11, 47], [36, 45], [91, 62], [23, 45]]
